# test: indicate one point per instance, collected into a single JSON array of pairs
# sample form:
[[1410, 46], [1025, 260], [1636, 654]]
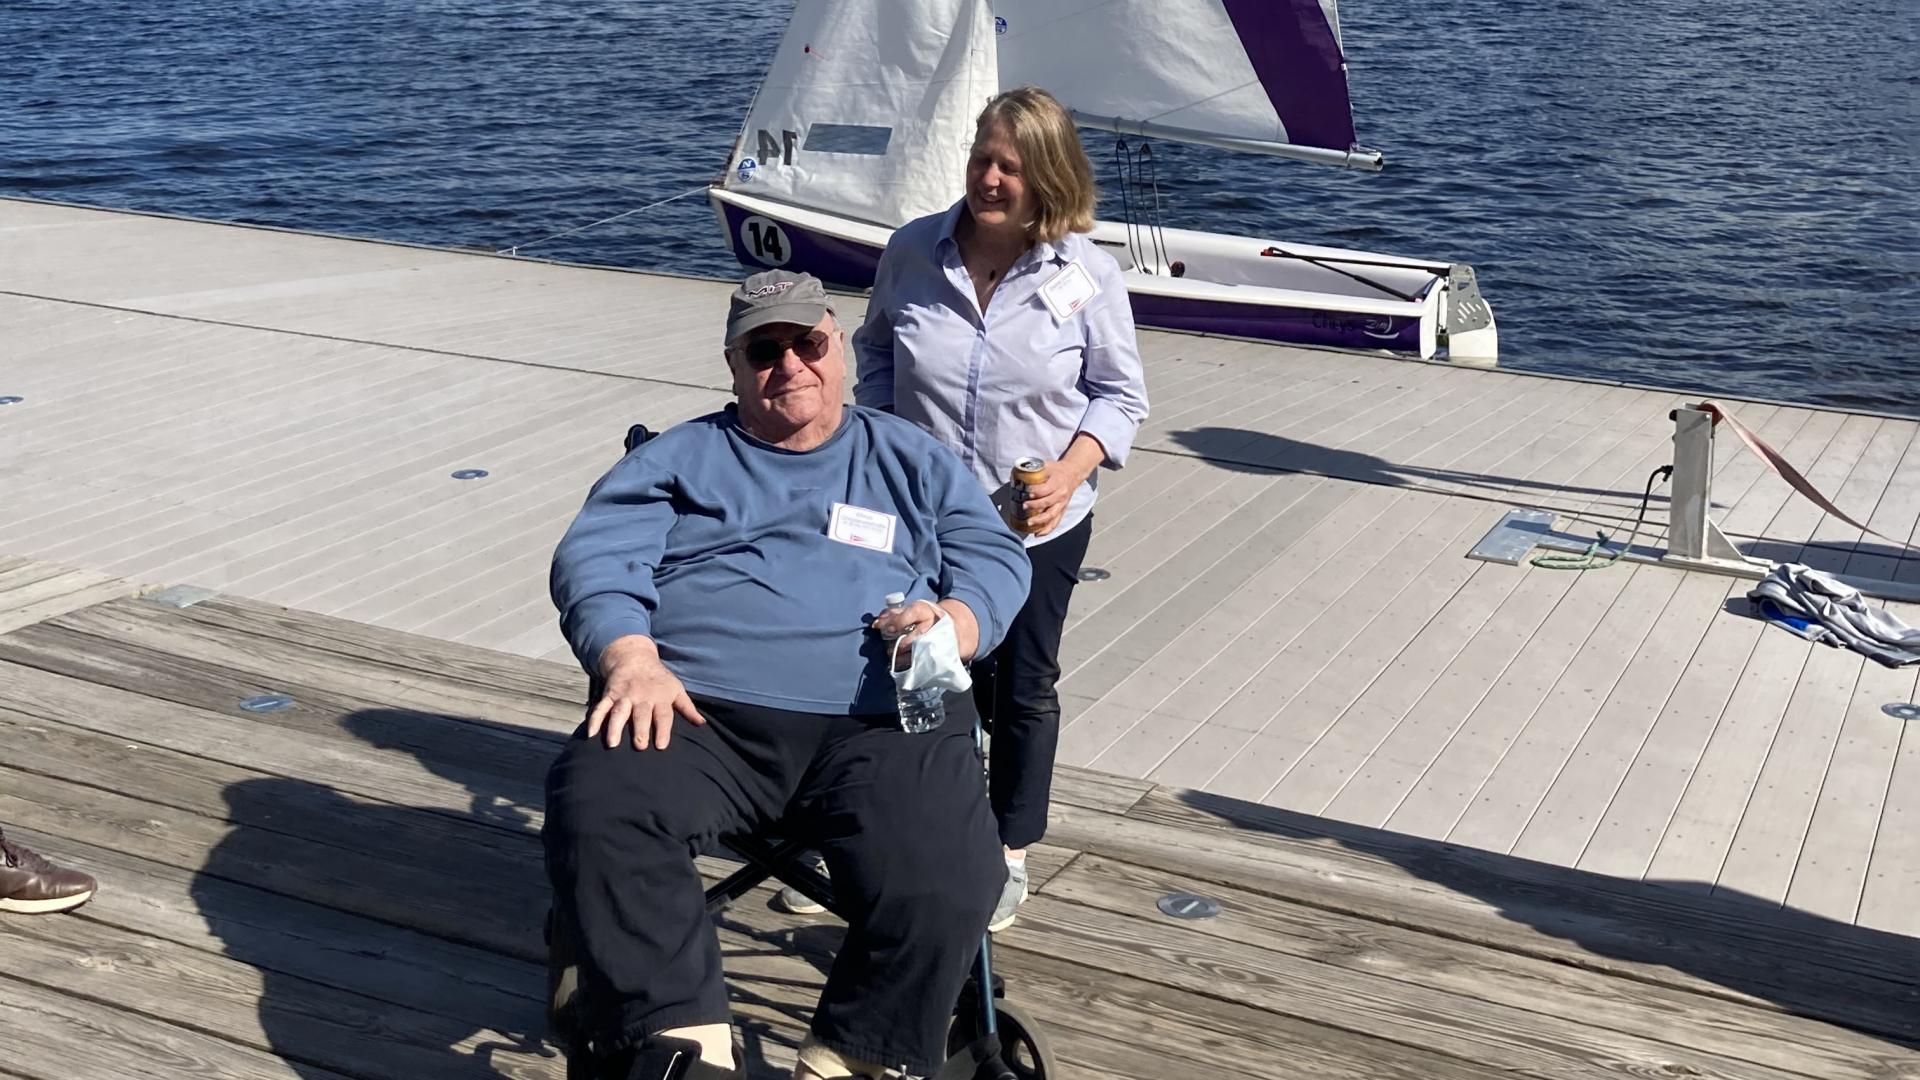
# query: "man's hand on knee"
[[639, 691]]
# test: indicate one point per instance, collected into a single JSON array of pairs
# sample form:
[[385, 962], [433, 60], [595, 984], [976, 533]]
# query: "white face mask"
[[935, 660]]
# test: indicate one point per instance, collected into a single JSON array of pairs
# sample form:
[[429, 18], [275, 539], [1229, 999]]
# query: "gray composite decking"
[[1289, 619], [351, 887]]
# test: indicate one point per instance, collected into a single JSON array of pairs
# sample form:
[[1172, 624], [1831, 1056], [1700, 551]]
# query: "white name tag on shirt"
[[861, 527], [1068, 291]]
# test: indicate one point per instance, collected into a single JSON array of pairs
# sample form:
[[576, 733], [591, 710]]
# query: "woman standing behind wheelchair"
[[1002, 330]]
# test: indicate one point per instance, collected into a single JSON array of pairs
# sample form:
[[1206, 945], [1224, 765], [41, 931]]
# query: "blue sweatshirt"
[[716, 545]]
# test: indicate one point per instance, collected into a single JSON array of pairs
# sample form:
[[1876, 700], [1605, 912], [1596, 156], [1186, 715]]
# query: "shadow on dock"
[[1258, 451], [432, 905], [457, 898], [1685, 935]]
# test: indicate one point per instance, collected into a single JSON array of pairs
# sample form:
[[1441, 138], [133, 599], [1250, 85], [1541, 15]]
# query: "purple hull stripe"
[[1299, 63], [1294, 326], [850, 264], [831, 259]]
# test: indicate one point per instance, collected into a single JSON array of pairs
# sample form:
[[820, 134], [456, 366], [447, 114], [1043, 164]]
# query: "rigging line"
[[1280, 253], [1126, 200], [515, 249], [1154, 228], [1143, 230]]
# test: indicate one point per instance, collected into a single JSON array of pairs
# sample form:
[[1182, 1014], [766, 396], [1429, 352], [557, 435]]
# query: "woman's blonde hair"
[[1052, 162]]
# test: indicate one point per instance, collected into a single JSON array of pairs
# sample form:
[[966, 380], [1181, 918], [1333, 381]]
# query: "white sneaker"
[[793, 900]]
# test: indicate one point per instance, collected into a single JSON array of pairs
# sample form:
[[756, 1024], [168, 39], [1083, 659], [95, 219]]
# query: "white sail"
[[1265, 76], [867, 109]]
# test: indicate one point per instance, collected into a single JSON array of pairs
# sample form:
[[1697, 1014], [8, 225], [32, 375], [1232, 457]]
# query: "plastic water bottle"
[[920, 710]]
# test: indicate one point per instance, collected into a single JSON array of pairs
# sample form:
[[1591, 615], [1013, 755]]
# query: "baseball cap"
[[775, 296]]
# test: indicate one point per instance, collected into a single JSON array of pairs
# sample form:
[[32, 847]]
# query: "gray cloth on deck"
[[1819, 607]]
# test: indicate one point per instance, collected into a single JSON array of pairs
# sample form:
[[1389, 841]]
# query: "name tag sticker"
[[861, 527], [1068, 291]]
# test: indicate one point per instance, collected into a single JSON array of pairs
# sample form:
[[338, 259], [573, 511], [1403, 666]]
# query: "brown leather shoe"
[[31, 885]]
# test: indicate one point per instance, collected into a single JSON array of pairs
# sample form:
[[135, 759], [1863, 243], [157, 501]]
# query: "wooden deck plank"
[[1766, 845], [1507, 798], [1529, 984], [308, 1024], [1325, 517], [1446, 786], [1868, 486], [1897, 515], [1630, 830], [58, 1037], [280, 826], [1893, 874], [1467, 646], [1562, 823], [228, 414], [312, 630], [1563, 826], [1834, 471], [1457, 1025], [147, 626], [1694, 845], [1306, 690], [54, 596], [1749, 516], [1385, 564], [1830, 875], [1757, 954], [1146, 575], [286, 937]]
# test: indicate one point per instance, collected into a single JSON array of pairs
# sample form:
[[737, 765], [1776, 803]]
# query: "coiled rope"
[[1596, 557]]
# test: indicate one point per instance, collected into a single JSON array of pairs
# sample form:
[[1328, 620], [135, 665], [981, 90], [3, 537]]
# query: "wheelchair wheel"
[[1023, 1046]]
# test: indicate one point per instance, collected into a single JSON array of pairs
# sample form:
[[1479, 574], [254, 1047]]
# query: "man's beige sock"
[[716, 1042], [817, 1062]]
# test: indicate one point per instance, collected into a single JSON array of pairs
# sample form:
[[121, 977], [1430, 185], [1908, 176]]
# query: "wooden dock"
[[351, 886], [1288, 619]]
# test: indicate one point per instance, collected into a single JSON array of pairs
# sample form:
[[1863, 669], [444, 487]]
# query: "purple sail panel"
[[1298, 60]]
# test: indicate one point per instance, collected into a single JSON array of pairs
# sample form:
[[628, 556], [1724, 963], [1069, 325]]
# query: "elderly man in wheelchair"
[[723, 588]]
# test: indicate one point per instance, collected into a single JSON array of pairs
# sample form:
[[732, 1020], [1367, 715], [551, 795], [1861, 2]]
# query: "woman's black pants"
[[1017, 694], [901, 819]]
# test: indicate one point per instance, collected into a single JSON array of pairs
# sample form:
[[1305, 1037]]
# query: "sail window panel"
[[1259, 71], [1180, 64], [848, 139]]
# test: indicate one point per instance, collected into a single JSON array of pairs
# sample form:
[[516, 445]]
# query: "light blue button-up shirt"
[[1011, 382]]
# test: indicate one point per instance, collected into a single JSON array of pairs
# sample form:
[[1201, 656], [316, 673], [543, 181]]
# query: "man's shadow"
[[409, 939]]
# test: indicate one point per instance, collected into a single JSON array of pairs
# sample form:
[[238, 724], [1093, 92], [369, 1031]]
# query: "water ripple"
[[1724, 196]]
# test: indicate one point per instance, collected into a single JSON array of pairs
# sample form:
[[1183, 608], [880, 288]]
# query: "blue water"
[[1723, 196]]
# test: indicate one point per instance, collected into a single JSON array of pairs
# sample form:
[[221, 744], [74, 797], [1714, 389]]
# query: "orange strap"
[[1785, 470]]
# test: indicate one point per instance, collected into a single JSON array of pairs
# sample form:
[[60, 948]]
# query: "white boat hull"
[[1193, 281]]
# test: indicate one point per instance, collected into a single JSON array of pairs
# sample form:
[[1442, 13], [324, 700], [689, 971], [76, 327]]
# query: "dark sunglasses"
[[763, 353]]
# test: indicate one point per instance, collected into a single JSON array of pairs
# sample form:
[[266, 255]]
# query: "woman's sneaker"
[[793, 900], [1012, 895], [30, 885]]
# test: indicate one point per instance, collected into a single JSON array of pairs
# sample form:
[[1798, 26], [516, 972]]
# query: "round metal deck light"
[[266, 703], [1183, 905], [11, 399], [1093, 573], [1902, 710], [469, 474]]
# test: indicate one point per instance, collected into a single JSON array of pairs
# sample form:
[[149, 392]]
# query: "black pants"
[[1018, 692], [907, 837]]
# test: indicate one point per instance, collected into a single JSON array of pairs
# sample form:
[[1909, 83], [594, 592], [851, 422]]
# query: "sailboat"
[[865, 119]]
